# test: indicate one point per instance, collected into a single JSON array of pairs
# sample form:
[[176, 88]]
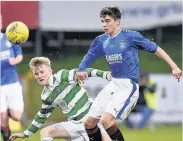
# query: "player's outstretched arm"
[[18, 53], [39, 119], [95, 51], [17, 60], [16, 135], [175, 69], [98, 73]]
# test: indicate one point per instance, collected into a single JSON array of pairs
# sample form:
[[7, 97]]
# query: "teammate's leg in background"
[[5, 130], [146, 115], [128, 123]]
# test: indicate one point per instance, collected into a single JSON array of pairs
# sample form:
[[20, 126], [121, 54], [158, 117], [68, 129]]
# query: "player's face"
[[110, 25], [42, 73]]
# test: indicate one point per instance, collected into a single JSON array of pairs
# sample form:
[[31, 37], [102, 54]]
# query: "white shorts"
[[11, 97], [77, 131], [118, 98]]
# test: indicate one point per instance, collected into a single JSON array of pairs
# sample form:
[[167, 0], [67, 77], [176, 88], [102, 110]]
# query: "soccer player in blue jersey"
[[11, 90], [120, 48]]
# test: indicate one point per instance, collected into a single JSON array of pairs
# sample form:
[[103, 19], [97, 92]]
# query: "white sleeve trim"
[[41, 115], [44, 106], [105, 75], [28, 133], [94, 72], [37, 124]]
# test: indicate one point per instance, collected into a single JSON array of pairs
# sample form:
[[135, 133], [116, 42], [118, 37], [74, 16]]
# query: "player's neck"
[[49, 81], [116, 31]]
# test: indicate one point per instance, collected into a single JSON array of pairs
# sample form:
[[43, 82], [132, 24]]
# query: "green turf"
[[161, 133]]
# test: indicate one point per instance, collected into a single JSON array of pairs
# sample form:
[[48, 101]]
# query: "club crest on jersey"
[[122, 44], [62, 104]]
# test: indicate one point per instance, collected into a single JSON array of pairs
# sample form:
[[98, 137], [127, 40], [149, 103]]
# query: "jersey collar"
[[51, 80], [115, 34]]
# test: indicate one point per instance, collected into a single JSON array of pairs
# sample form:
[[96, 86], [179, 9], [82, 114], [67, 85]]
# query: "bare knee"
[[16, 117], [90, 122], [107, 120], [45, 132]]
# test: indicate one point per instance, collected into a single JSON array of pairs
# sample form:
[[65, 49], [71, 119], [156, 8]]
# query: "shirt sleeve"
[[97, 73], [143, 43], [39, 119], [17, 49], [67, 76], [95, 51]]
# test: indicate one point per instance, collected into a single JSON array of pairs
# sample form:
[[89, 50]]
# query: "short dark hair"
[[112, 11]]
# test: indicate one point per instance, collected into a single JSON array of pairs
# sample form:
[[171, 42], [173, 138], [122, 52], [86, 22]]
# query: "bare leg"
[[5, 130], [49, 133], [16, 114], [112, 129]]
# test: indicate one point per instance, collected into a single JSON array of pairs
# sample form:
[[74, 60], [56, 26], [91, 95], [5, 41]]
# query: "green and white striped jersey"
[[64, 92]]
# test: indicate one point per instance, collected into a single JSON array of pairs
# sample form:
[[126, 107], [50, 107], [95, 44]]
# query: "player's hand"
[[81, 76], [109, 76], [16, 135], [12, 61], [177, 73]]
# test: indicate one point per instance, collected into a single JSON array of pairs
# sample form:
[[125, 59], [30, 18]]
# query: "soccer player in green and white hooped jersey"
[[61, 90]]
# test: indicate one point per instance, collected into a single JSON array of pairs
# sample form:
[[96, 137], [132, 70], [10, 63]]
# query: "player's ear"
[[118, 22]]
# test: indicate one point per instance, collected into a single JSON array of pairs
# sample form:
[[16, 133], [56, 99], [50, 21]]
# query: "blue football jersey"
[[8, 72], [120, 51]]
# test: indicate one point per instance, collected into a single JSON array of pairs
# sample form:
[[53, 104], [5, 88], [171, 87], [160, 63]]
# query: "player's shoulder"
[[7, 43], [16, 46], [62, 73], [101, 37], [75, 69], [58, 73], [130, 32], [3, 36]]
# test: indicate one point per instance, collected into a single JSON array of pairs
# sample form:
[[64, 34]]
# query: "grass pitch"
[[161, 133]]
